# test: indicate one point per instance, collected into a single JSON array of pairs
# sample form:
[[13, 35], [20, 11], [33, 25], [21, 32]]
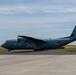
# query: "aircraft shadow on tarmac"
[[46, 52]]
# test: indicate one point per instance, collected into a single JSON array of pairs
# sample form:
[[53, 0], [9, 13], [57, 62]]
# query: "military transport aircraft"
[[26, 42]]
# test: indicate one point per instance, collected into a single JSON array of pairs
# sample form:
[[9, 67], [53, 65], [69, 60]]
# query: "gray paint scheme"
[[25, 42]]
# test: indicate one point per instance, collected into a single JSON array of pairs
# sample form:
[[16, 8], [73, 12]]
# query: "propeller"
[[18, 38], [21, 39]]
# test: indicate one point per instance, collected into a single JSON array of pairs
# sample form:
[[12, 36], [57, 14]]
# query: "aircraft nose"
[[2, 45]]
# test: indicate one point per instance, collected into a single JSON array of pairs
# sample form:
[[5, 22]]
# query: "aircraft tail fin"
[[74, 33]]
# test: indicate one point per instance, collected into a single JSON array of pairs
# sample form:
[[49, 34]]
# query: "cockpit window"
[[6, 42]]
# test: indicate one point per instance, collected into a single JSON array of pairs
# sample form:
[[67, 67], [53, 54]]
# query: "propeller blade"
[[18, 38]]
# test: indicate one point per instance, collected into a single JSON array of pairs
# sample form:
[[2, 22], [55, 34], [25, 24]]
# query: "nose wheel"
[[9, 49]]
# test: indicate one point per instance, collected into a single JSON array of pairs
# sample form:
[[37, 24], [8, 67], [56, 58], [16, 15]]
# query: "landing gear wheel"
[[35, 50], [9, 50], [38, 50]]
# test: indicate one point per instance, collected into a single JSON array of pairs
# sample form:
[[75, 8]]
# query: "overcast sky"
[[37, 18]]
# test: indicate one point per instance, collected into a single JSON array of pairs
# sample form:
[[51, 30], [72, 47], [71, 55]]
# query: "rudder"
[[74, 33]]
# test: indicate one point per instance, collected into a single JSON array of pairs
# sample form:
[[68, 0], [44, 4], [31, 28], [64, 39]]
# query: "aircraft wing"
[[32, 40]]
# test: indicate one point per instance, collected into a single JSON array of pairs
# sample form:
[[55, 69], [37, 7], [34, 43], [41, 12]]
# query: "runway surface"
[[38, 63]]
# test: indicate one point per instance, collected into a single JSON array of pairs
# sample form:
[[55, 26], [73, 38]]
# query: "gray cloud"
[[23, 9]]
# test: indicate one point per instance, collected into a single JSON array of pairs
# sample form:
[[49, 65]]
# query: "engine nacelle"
[[22, 40]]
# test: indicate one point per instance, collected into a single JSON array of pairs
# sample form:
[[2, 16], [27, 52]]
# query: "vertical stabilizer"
[[74, 33]]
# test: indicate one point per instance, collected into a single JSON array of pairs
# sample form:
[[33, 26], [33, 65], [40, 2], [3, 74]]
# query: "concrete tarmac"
[[31, 63]]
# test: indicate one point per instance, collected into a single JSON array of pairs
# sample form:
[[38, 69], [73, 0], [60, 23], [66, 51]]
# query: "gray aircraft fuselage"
[[48, 44], [25, 42]]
